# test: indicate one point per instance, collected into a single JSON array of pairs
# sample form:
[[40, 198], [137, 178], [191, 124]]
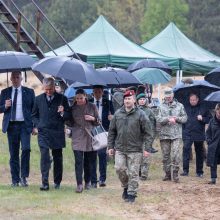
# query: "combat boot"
[[213, 181], [125, 194], [167, 176], [175, 176], [130, 199]]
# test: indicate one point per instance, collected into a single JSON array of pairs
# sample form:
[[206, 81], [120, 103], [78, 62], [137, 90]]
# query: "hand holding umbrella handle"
[[8, 103]]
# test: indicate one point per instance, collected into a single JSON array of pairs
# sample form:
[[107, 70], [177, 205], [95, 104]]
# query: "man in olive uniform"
[[129, 130], [171, 117], [145, 164]]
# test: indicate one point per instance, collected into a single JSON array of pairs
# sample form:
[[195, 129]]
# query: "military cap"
[[129, 93], [168, 92], [141, 95]]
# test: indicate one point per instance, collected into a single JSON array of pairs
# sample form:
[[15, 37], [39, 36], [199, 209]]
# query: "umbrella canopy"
[[200, 87], [15, 61], [69, 69], [213, 97], [152, 76], [214, 76], [116, 77], [149, 64]]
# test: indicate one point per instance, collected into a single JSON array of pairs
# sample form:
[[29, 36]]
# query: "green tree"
[[160, 13], [205, 21]]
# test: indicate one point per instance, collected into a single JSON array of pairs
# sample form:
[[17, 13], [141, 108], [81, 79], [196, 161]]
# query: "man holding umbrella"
[[16, 103], [49, 114], [194, 132]]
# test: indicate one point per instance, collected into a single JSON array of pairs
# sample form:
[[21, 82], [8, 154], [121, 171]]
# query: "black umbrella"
[[200, 87], [15, 61], [69, 69], [213, 97], [116, 77], [214, 76], [146, 63]]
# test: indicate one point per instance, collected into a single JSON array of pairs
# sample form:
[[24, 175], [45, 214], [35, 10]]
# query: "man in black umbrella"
[[49, 114], [194, 132], [16, 102]]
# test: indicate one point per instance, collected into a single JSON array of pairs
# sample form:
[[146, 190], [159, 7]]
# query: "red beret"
[[129, 93]]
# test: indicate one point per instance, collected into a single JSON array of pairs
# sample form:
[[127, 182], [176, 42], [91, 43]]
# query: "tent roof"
[[103, 44], [172, 42]]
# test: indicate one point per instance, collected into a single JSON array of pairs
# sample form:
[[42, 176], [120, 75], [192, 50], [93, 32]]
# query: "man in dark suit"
[[16, 102], [49, 114], [105, 110]]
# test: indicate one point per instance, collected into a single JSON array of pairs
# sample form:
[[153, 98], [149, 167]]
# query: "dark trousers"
[[45, 164], [83, 161], [213, 169], [102, 156], [199, 155], [17, 134]]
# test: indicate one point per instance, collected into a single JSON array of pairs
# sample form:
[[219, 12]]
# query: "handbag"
[[99, 137]]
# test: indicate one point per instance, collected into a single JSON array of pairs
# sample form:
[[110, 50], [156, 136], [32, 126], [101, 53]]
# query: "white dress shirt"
[[100, 107], [19, 110]]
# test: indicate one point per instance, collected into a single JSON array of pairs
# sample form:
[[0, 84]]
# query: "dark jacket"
[[129, 131], [194, 129], [213, 140], [49, 122], [27, 105], [107, 108]]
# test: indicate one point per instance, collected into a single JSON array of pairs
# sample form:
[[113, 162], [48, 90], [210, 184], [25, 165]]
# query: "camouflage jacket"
[[149, 113], [129, 131], [166, 110]]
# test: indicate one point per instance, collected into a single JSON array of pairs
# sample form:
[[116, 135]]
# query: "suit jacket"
[[107, 108], [49, 122], [28, 98]]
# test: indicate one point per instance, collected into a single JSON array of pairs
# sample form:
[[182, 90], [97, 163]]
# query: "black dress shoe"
[[44, 187], [102, 184], [94, 185], [14, 184], [56, 186], [23, 182], [184, 174]]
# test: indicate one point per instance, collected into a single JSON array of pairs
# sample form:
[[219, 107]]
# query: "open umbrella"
[[69, 69], [116, 77], [214, 76], [146, 63], [213, 97], [152, 76], [15, 61], [200, 87]]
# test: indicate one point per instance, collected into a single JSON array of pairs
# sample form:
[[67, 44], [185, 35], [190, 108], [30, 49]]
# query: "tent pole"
[[181, 75], [177, 76]]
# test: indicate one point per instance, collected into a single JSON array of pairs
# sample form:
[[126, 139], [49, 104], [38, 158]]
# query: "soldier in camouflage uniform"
[[129, 130], [145, 163], [171, 117]]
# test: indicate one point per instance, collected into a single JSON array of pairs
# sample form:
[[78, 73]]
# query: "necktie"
[[14, 105], [97, 104]]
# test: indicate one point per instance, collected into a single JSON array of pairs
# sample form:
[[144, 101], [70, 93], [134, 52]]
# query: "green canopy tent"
[[190, 57], [104, 45]]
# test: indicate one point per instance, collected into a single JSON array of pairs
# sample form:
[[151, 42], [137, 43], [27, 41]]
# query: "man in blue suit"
[[106, 111], [16, 102]]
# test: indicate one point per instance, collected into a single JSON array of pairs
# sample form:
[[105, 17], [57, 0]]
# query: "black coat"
[[194, 129], [49, 122], [107, 108], [213, 140]]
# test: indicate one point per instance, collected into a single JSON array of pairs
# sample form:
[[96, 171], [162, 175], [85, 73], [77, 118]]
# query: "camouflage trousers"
[[172, 153], [127, 168], [145, 166]]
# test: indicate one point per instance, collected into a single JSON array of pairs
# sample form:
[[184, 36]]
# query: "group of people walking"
[[131, 133]]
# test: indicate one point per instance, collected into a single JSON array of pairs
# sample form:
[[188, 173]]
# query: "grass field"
[[190, 199]]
